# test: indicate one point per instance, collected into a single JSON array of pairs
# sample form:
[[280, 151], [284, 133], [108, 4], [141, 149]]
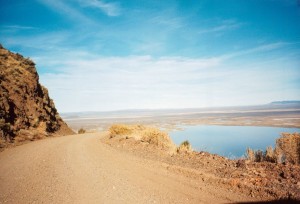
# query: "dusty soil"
[[89, 168], [261, 181]]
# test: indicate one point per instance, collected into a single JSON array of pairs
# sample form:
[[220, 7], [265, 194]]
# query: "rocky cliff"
[[25, 106]]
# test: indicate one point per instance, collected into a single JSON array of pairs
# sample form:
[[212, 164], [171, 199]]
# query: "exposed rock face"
[[24, 102]]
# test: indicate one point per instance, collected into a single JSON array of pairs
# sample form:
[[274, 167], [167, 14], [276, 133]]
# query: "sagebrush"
[[287, 150], [184, 147], [81, 131]]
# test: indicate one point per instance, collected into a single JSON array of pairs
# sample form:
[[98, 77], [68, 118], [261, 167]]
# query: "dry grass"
[[184, 147], [156, 137], [142, 133], [121, 129]]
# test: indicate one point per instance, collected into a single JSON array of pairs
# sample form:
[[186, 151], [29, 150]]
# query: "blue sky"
[[96, 55]]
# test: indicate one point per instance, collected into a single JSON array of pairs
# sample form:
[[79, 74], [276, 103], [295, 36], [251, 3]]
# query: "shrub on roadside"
[[156, 137], [142, 133], [120, 129], [185, 147], [81, 131], [123, 130]]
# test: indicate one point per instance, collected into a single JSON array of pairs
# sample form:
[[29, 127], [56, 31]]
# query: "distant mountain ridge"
[[287, 104], [292, 102]]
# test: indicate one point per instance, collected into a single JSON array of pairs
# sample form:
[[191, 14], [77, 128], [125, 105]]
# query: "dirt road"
[[81, 169]]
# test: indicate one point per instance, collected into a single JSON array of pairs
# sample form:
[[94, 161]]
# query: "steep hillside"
[[25, 106]]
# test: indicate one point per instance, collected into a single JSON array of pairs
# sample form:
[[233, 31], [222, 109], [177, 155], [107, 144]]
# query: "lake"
[[229, 141]]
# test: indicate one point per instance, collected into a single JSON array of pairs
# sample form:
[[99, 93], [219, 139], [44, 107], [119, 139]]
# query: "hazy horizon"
[[97, 55], [296, 102]]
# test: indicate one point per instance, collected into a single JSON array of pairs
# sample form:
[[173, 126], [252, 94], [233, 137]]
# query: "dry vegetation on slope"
[[26, 110], [144, 134], [287, 150], [262, 180], [149, 136]]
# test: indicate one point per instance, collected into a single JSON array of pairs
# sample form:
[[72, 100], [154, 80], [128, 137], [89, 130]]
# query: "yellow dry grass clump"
[[142, 133], [124, 130], [184, 147]]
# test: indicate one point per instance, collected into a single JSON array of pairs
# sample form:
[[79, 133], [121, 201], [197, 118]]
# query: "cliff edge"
[[25, 105]]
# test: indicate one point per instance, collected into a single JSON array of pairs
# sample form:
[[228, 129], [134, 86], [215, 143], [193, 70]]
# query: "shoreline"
[[260, 180]]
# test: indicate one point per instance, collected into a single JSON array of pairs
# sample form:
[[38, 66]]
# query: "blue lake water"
[[229, 141]]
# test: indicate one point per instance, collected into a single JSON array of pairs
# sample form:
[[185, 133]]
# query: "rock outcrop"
[[25, 105]]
